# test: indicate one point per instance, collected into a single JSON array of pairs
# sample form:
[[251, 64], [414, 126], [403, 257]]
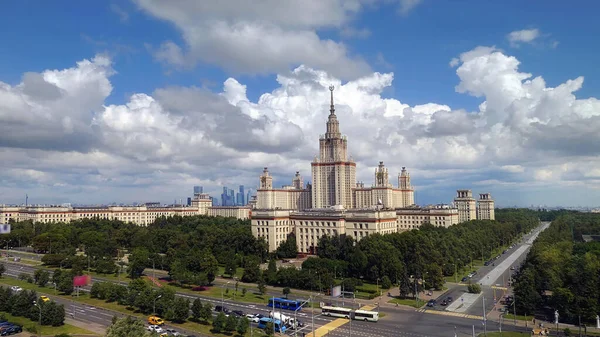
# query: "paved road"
[[492, 279]]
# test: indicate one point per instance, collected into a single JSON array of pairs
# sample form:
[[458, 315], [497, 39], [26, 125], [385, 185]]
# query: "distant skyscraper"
[[198, 189], [241, 197], [189, 201]]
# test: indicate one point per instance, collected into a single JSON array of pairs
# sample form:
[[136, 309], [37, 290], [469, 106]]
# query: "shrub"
[[474, 288]]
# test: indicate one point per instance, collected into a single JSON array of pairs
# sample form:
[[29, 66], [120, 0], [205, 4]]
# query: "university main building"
[[335, 204]]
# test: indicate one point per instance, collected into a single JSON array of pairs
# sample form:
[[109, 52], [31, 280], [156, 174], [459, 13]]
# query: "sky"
[[138, 101]]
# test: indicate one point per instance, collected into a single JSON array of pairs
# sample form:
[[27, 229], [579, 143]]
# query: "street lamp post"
[[153, 269], [154, 304], [296, 316], [223, 298], [39, 307]]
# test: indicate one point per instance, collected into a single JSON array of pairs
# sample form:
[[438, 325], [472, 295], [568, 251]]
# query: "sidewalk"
[[93, 327]]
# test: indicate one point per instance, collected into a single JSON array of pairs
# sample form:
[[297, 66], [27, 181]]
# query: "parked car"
[[172, 332], [444, 303], [464, 279], [431, 303], [449, 299], [155, 328]]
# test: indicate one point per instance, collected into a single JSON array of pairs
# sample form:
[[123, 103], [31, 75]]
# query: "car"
[[172, 332], [16, 289], [219, 308], [444, 303], [449, 299], [512, 268], [431, 303], [238, 313], [155, 320], [253, 318], [464, 279], [45, 298], [10, 329], [155, 328]]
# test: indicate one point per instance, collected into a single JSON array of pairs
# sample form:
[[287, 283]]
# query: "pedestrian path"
[[449, 313]]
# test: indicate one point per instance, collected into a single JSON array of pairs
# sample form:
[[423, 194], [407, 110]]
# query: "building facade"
[[466, 205], [335, 204], [485, 207], [142, 215]]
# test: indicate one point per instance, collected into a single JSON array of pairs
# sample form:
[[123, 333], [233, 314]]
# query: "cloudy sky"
[[135, 101]]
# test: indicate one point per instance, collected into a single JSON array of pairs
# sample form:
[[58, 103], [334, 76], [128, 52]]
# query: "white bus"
[[364, 315], [336, 312]]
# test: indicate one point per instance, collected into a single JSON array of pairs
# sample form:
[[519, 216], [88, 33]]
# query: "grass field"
[[506, 334], [508, 316], [44, 329], [407, 301]]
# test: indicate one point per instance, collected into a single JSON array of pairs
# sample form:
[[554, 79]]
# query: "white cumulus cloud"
[[62, 141]]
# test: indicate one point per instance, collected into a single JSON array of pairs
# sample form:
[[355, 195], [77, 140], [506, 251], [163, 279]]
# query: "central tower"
[[333, 175]]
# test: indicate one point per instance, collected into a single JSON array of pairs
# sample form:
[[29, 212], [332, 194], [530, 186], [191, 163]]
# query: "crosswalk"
[[449, 313]]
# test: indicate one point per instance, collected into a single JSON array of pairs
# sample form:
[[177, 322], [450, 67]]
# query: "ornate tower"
[[333, 175], [297, 182], [382, 178], [266, 181], [404, 179]]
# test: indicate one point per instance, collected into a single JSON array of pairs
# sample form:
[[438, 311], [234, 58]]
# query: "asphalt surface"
[[492, 279], [398, 321]]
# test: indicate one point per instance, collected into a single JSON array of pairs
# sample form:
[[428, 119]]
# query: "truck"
[[288, 321]]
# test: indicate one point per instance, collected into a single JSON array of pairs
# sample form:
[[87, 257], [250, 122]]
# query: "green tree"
[[206, 313], [288, 248], [56, 276], [386, 283], [243, 325], [251, 270], [2, 269], [244, 290], [286, 291], [127, 327], [231, 323], [138, 261], [53, 314], [271, 273], [65, 284], [262, 288], [219, 322], [474, 288], [230, 266], [181, 309], [41, 277], [196, 309]]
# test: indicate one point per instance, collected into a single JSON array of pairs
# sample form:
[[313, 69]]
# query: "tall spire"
[[331, 107], [333, 126]]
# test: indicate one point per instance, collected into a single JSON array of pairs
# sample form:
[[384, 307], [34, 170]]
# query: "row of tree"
[[428, 254], [27, 304], [138, 295], [562, 271], [191, 248]]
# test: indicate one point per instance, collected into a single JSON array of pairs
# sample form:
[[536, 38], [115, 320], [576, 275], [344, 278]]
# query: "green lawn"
[[26, 323], [508, 316], [506, 334], [407, 301], [238, 272]]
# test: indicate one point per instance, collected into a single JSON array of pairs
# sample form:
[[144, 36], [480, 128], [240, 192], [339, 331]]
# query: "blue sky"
[[416, 46]]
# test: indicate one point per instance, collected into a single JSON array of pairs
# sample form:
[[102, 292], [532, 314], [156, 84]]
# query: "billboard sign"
[[336, 291]]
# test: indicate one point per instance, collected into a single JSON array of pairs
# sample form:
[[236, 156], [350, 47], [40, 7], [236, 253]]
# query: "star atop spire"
[[331, 107]]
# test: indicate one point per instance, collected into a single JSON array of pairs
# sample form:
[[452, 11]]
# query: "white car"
[[253, 318], [155, 328], [16, 289]]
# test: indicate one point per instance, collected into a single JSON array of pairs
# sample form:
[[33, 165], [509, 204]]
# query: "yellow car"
[[155, 320], [45, 298]]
